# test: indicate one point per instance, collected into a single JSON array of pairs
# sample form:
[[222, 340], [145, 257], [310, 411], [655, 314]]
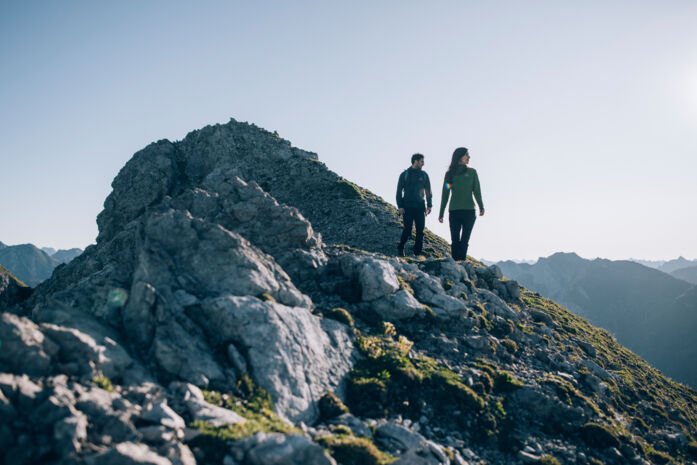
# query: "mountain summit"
[[238, 309]]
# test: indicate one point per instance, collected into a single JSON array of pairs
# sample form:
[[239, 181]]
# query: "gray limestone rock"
[[377, 279], [292, 354], [454, 308], [69, 433], [398, 306], [25, 349], [128, 453], [497, 306], [277, 449]]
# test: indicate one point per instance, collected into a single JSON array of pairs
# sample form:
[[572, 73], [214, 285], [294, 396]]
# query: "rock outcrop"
[[212, 323]]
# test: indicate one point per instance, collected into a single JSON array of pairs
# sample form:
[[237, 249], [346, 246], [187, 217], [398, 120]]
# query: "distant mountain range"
[[650, 311], [32, 265], [688, 274]]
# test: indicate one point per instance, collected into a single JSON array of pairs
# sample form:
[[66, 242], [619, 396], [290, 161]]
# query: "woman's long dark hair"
[[455, 162]]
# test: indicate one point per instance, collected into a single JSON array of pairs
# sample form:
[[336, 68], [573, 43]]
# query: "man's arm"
[[400, 193], [429, 194]]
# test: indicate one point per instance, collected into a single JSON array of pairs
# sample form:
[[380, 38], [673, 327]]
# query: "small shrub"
[[510, 346], [350, 450], [658, 457], [404, 345], [404, 285], [341, 429], [388, 329], [104, 383], [548, 460], [597, 435], [505, 382], [331, 406], [692, 449]]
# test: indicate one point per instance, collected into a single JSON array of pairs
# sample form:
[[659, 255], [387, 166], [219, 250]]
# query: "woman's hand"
[[481, 212], [440, 220]]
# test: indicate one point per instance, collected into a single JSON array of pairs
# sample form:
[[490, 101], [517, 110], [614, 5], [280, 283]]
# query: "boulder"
[[128, 453], [398, 306], [292, 354], [25, 348], [277, 449]]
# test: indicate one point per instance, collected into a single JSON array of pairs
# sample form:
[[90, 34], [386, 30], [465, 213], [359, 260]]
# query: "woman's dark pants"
[[411, 216], [461, 224]]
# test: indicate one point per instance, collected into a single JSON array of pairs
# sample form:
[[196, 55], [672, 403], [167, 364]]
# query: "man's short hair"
[[416, 156]]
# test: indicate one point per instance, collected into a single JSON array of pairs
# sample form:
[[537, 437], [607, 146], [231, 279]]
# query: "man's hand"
[[440, 220], [428, 210], [481, 212], [401, 211]]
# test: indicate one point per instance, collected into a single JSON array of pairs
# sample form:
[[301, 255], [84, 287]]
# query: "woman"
[[462, 182]]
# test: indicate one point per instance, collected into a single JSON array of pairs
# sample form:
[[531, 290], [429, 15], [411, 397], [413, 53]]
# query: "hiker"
[[460, 185], [412, 188]]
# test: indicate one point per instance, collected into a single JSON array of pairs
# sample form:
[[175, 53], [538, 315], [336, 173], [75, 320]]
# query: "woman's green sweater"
[[464, 184]]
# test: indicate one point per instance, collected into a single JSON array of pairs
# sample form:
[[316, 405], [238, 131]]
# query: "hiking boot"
[[400, 251]]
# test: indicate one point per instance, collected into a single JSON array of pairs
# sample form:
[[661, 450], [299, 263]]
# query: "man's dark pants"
[[411, 216], [461, 224]]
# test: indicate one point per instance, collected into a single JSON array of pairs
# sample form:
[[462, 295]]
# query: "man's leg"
[[467, 225], [420, 221], [408, 219]]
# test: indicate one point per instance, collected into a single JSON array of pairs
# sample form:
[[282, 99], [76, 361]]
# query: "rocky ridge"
[[211, 323]]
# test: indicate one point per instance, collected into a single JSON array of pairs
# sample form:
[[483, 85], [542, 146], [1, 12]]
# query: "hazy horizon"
[[580, 118]]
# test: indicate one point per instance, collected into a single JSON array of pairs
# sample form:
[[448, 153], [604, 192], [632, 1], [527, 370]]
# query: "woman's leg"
[[468, 219], [455, 220]]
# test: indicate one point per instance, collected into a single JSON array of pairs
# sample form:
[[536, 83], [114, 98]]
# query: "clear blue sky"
[[581, 117]]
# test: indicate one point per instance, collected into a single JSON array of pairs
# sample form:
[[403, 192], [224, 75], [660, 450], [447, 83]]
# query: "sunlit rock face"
[[241, 306]]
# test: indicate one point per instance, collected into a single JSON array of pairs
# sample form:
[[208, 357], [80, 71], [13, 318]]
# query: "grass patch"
[[104, 383], [548, 460], [350, 450], [386, 381], [253, 404], [341, 315], [505, 382], [597, 435]]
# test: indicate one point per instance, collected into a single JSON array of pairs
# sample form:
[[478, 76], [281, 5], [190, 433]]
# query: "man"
[[412, 187]]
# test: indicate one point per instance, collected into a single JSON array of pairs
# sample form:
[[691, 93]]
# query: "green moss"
[[104, 383], [340, 314], [510, 346], [253, 404], [350, 450], [640, 424], [484, 322], [505, 382], [597, 435], [429, 311], [385, 380], [548, 460], [638, 389], [657, 456], [499, 408], [692, 449], [388, 329], [341, 429], [331, 406], [404, 285]]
